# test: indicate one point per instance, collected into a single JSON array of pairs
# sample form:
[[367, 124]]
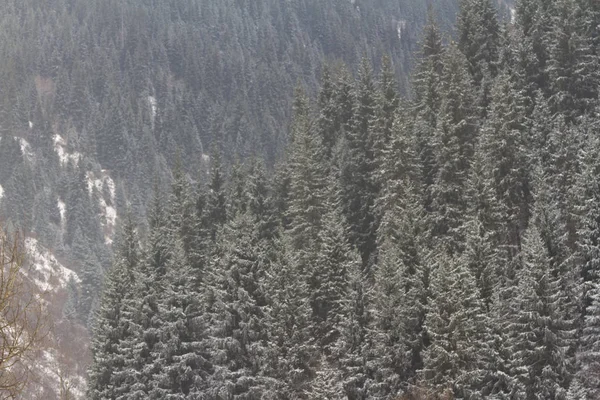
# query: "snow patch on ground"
[[26, 148], [111, 215], [63, 155], [1, 192], [47, 273], [30, 124], [513, 15]]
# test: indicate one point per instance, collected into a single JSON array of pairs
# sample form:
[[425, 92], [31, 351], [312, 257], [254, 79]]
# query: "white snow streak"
[[400, 28], [111, 185], [62, 209], [26, 148], [153, 105], [1, 192]]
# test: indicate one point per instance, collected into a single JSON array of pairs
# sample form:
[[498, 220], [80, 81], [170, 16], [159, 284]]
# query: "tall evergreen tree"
[[290, 363], [427, 95], [328, 280], [355, 343], [357, 184], [456, 324], [541, 327], [216, 203], [479, 40], [453, 148], [505, 164], [400, 293], [386, 104], [307, 180], [237, 324], [181, 354], [106, 374]]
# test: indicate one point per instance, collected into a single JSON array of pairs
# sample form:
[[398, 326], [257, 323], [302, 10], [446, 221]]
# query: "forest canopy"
[[444, 242]]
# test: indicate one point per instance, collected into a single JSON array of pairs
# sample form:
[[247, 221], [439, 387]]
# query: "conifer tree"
[[328, 121], [502, 148], [401, 163], [541, 327], [586, 76], [386, 104], [587, 384], [428, 71], [106, 375], [357, 184], [534, 21], [143, 308], [216, 203], [453, 148], [292, 352], [488, 254], [456, 324], [237, 324], [401, 288], [183, 220], [355, 343], [427, 95], [259, 199], [91, 277], [307, 180], [479, 40], [563, 52], [181, 354], [587, 194]]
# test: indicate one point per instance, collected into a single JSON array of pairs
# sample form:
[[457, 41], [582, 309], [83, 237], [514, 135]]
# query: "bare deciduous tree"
[[22, 322]]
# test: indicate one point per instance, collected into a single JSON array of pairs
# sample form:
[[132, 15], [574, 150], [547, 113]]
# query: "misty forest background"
[[316, 200]]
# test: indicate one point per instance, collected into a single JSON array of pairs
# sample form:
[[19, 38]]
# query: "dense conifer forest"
[[443, 241], [314, 200]]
